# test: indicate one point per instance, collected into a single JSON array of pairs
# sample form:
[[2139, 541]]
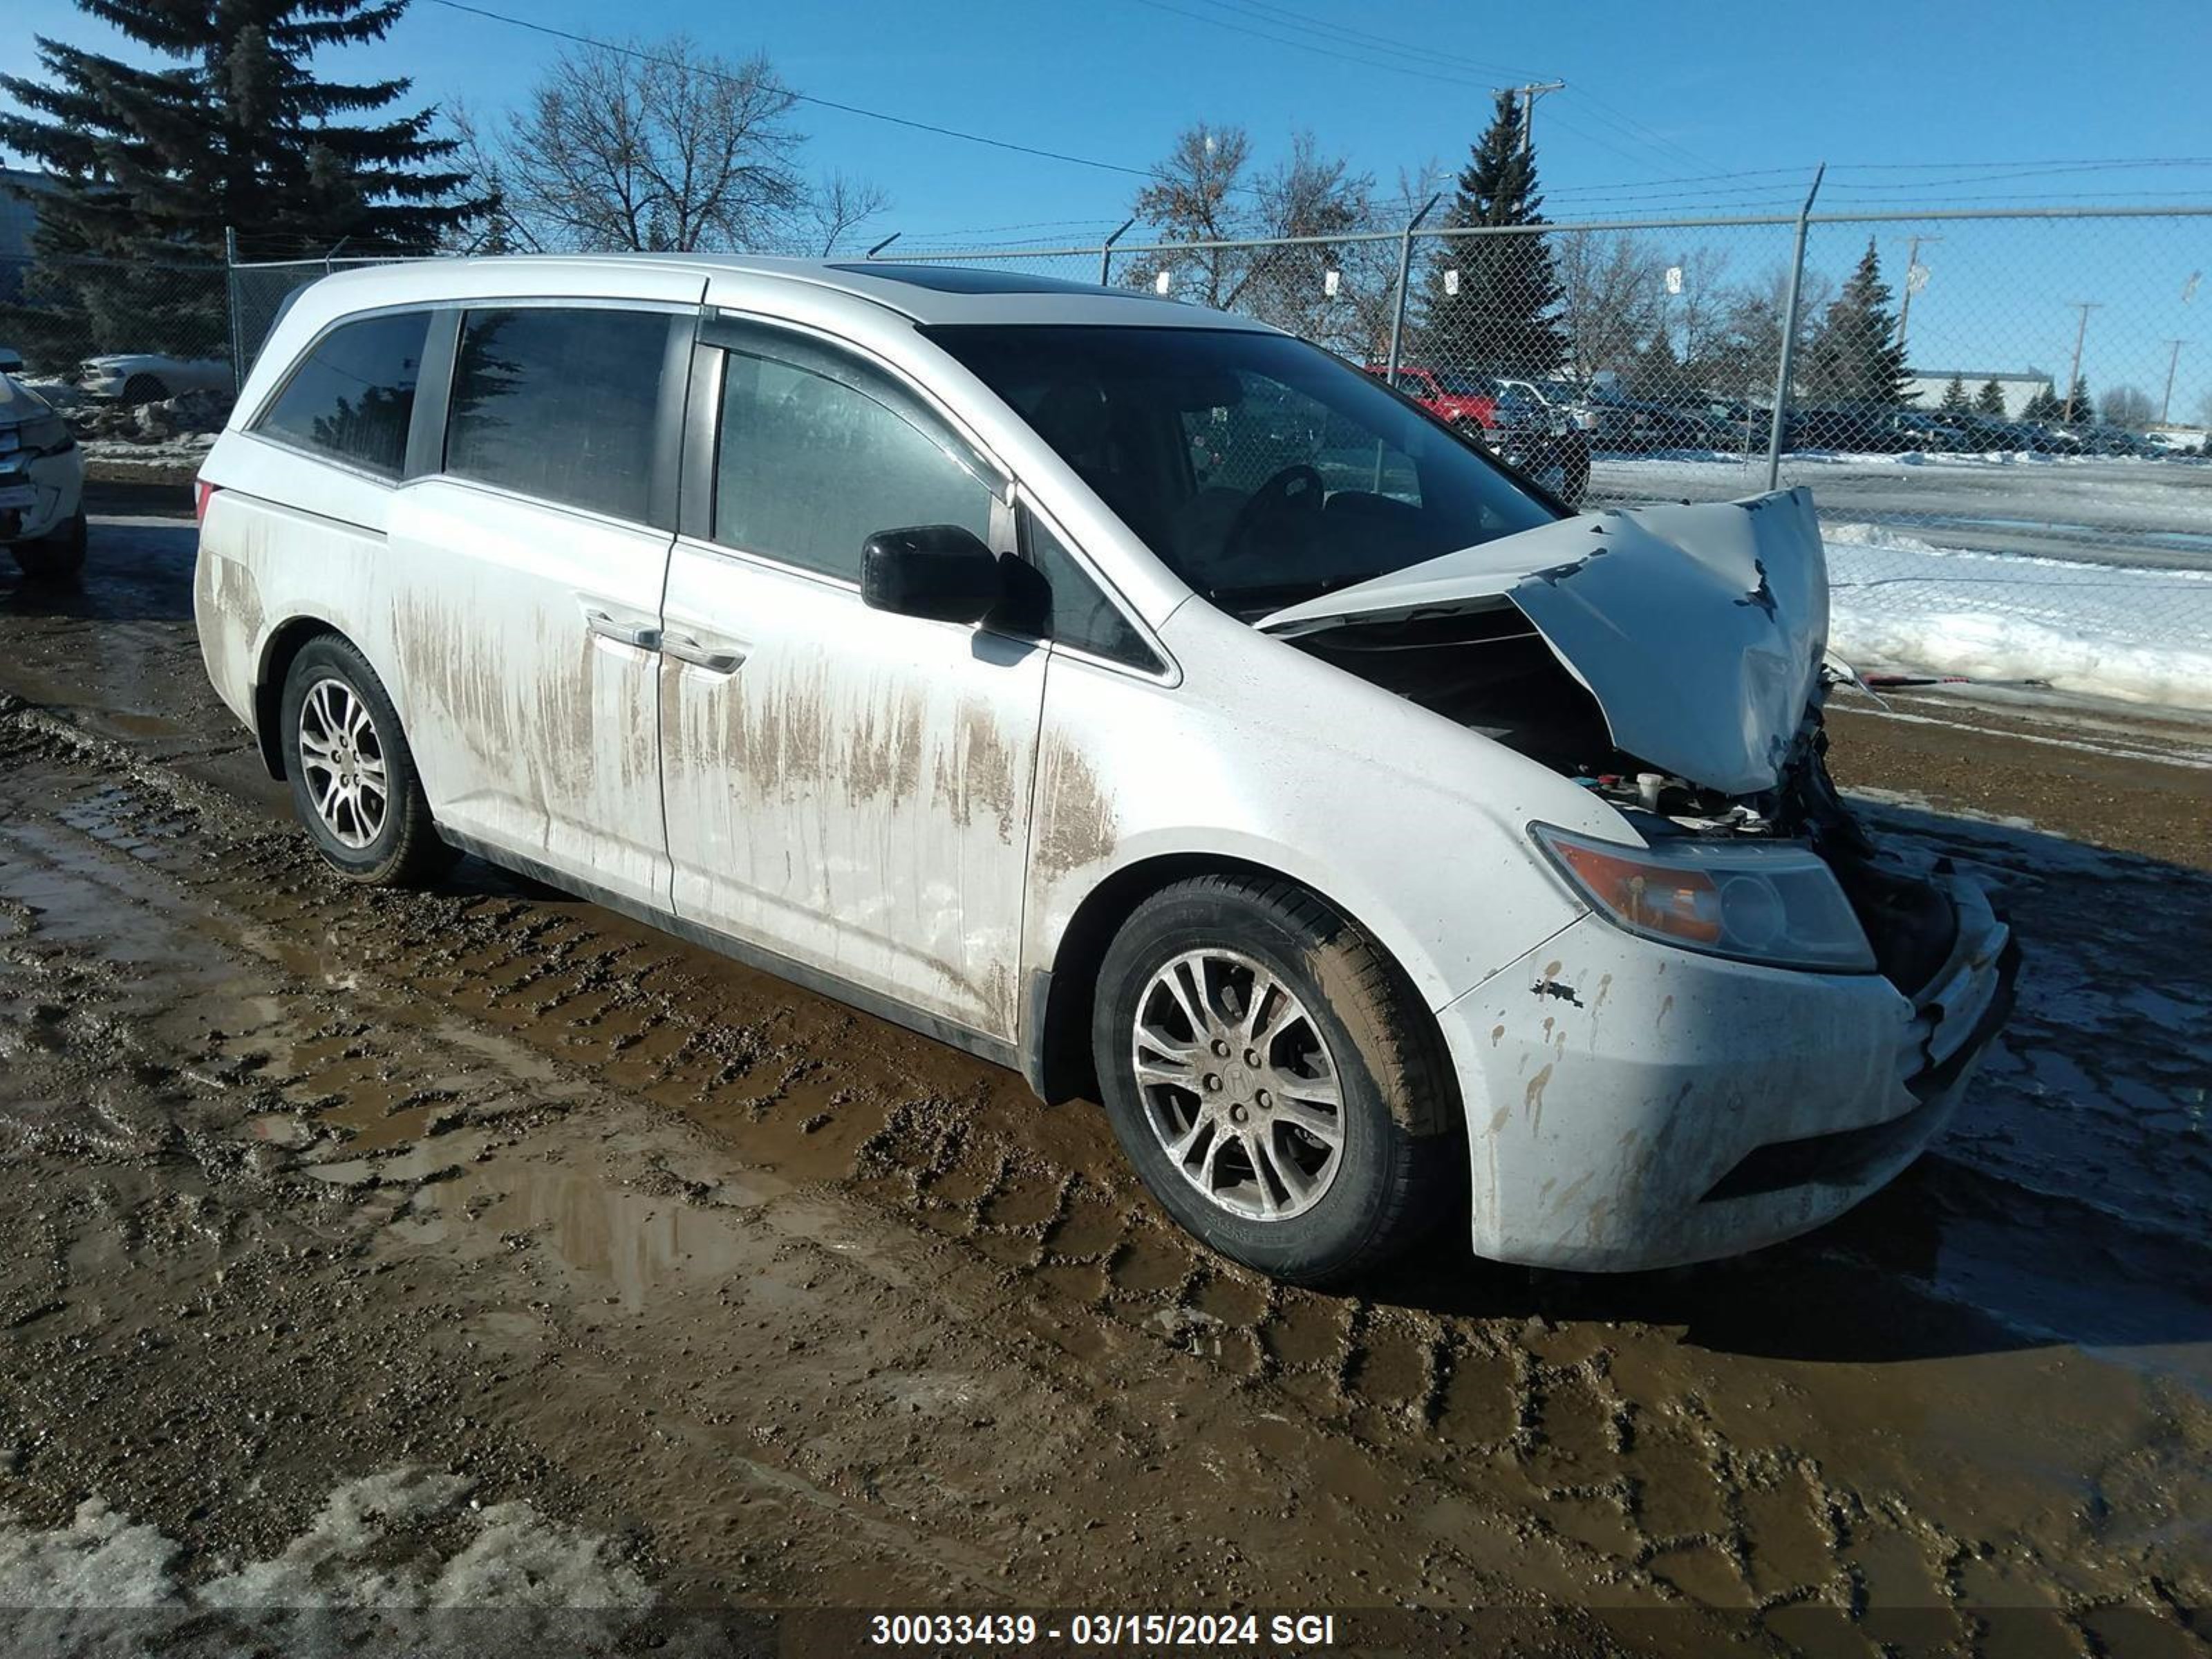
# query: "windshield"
[[1260, 469]]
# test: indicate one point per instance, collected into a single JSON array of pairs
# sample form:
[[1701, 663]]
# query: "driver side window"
[[810, 463]]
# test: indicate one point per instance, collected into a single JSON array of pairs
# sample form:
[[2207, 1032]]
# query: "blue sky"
[[1659, 98]]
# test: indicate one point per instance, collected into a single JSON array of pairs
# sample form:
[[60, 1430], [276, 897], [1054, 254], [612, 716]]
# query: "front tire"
[[354, 783], [57, 556], [1274, 1081]]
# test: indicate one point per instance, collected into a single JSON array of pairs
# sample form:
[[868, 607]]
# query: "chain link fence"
[[136, 354], [258, 292], [56, 313], [2001, 415]]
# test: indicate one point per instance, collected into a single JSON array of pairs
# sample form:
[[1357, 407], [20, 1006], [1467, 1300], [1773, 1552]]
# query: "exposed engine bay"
[[1701, 644]]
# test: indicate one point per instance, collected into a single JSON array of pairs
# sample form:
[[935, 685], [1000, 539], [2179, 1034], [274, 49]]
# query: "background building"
[[1925, 387]]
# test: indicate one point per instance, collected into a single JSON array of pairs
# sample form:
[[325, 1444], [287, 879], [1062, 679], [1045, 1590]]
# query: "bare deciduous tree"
[[1206, 190], [1610, 287], [2129, 406], [1196, 194], [839, 205], [654, 148]]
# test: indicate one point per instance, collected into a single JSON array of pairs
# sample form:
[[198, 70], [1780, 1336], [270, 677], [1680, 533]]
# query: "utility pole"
[[1529, 94], [2173, 362], [1779, 426], [1911, 263], [2074, 375]]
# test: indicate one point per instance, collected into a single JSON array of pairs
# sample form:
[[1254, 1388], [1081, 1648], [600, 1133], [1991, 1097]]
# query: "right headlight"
[[1777, 904]]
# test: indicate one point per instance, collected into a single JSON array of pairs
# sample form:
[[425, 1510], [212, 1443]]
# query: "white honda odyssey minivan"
[[1127, 693]]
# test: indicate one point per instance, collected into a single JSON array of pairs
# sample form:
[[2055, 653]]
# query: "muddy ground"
[[482, 1248]]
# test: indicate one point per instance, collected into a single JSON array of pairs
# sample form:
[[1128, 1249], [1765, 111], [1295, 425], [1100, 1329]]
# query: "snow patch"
[[2122, 631], [99, 1560], [375, 1545]]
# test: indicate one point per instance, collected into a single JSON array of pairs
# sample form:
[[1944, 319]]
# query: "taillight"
[[202, 493]]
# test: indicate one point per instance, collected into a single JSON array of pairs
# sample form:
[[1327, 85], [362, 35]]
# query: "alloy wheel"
[[1238, 1084], [342, 759]]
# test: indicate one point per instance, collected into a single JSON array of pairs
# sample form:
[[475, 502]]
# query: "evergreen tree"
[[1989, 401], [2077, 407], [1504, 318], [1855, 357], [151, 164], [1955, 400], [2043, 406]]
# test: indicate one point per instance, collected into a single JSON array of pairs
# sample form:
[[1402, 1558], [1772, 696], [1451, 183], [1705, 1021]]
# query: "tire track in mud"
[[1589, 1435]]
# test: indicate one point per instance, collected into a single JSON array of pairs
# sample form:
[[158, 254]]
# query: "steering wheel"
[[1297, 491]]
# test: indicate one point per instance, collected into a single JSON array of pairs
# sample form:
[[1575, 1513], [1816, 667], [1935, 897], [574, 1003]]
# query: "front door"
[[847, 787]]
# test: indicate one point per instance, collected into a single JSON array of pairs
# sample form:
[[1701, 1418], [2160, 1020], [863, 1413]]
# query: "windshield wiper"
[[1273, 596]]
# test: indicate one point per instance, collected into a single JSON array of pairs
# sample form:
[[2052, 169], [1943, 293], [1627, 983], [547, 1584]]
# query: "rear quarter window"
[[351, 397]]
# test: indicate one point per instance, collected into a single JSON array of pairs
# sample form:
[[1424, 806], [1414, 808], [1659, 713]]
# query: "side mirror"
[[939, 572]]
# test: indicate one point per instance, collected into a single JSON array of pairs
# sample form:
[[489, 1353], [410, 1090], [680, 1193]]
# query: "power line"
[[1372, 50], [1658, 143], [799, 97], [1305, 23], [2015, 169], [1803, 168], [1337, 56], [2060, 161], [2007, 177], [2156, 194], [1798, 173]]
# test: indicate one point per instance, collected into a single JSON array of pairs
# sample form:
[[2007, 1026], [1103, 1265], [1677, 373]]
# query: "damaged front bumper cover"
[[1633, 1105]]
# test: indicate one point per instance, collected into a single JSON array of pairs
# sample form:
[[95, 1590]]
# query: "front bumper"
[[1631, 1105], [38, 494]]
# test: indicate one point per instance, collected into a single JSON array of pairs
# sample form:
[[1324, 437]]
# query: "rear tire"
[[1314, 1151], [57, 556], [353, 777]]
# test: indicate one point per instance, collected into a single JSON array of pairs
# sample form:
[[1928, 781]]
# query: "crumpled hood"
[[1699, 630]]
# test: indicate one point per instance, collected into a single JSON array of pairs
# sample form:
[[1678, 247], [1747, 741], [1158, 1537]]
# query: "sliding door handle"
[[643, 634], [725, 658]]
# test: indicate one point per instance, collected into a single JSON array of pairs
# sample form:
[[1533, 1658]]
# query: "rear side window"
[[810, 466], [351, 397], [562, 404]]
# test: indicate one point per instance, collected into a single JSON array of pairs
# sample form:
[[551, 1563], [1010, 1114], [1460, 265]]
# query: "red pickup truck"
[[1515, 429], [1461, 399]]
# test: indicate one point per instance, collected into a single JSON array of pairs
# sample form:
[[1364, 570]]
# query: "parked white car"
[[1378, 844], [41, 485], [146, 377]]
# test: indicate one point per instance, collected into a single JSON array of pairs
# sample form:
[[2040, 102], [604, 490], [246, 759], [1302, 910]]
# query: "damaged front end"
[[1670, 660]]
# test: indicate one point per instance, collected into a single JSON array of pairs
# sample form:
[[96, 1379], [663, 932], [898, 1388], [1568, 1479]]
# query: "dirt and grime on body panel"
[[482, 1239]]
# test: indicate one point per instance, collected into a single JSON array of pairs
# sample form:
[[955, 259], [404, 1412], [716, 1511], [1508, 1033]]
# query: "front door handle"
[[644, 635], [714, 658]]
